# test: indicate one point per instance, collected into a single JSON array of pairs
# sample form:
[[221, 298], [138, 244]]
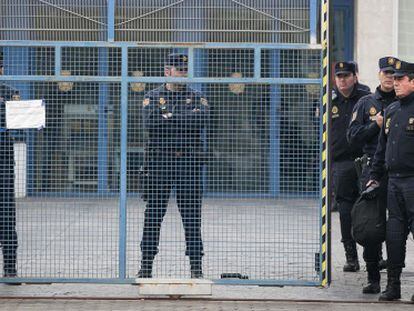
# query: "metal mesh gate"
[[79, 207]]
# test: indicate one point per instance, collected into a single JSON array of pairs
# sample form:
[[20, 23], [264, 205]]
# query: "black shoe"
[[393, 289], [372, 288], [196, 267], [351, 266], [382, 264], [11, 274], [390, 294], [412, 298], [196, 274], [351, 255], [144, 274]]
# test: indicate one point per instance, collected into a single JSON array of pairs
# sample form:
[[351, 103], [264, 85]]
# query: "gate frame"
[[124, 80]]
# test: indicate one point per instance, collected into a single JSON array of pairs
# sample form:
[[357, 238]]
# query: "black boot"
[[9, 264], [352, 263], [393, 290], [374, 278], [196, 268], [146, 268]]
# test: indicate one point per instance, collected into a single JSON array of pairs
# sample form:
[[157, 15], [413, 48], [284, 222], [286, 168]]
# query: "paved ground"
[[150, 305], [344, 290]]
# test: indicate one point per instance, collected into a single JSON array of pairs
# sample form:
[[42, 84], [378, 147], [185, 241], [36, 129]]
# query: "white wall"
[[374, 36], [406, 30]]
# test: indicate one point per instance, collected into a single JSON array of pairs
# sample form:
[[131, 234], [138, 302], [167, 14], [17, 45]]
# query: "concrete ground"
[[343, 294]]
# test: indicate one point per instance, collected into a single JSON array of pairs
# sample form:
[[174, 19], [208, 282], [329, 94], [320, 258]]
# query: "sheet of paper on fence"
[[25, 114]]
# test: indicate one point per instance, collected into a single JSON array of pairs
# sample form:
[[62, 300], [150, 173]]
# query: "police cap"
[[387, 63], [344, 68], [402, 68], [177, 60]]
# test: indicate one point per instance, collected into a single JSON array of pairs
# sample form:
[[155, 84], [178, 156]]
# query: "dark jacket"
[[341, 116], [396, 142], [363, 130], [174, 120]]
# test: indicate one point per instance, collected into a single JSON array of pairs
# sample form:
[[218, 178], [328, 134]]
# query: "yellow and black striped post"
[[325, 223]]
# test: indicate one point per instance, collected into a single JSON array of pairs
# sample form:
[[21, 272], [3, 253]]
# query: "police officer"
[[364, 131], [345, 95], [8, 234], [396, 149], [175, 117]]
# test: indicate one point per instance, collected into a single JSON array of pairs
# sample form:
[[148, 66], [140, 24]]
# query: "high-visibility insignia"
[[372, 111], [335, 110], [411, 121], [391, 60], [341, 65], [162, 101], [188, 101], [398, 65]]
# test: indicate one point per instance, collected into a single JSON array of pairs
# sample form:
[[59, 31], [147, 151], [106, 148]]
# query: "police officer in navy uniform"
[[8, 234], [364, 129], [345, 180], [175, 117], [396, 150]]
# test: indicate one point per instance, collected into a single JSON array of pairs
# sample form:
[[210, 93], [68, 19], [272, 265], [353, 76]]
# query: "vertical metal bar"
[[111, 21], [313, 19], [257, 62], [325, 218], [58, 60], [123, 168], [103, 122], [274, 158], [191, 62]]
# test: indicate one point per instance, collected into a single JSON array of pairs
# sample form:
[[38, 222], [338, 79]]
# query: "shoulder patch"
[[145, 102]]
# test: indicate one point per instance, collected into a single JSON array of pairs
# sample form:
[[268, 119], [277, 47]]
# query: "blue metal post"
[[313, 19], [123, 169], [111, 21], [274, 131], [103, 122]]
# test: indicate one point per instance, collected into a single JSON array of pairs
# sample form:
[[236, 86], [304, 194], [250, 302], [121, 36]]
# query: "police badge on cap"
[[387, 63], [177, 60], [403, 68], [344, 68]]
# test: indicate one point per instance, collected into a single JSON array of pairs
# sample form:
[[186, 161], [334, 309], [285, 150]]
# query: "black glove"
[[371, 192]]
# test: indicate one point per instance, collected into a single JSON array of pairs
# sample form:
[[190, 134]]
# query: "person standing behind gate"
[[364, 130], [396, 150], [345, 180], [175, 117], [8, 234]]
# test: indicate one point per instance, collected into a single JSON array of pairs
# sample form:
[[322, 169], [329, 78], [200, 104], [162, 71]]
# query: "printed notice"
[[25, 114]]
